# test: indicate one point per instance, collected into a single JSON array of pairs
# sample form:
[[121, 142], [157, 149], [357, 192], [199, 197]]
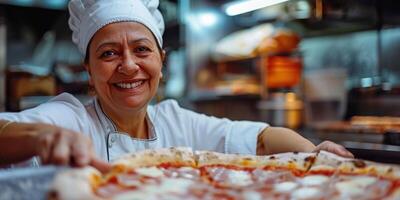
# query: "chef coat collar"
[[110, 126]]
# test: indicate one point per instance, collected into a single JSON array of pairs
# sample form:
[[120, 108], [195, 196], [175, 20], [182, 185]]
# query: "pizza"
[[179, 173]]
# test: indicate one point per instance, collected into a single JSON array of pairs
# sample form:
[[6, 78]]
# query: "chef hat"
[[88, 16]]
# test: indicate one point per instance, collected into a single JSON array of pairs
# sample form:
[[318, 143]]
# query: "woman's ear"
[[86, 65], [163, 55]]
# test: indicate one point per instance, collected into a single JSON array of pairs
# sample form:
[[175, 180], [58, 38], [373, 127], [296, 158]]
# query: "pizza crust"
[[151, 157], [299, 161], [292, 160], [327, 161], [206, 158]]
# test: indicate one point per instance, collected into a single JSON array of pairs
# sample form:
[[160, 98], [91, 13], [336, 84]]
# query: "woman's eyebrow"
[[105, 44], [139, 40]]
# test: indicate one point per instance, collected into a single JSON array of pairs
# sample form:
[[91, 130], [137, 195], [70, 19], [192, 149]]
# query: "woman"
[[122, 42]]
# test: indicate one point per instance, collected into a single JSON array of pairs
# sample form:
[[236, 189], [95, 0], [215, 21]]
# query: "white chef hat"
[[88, 16]]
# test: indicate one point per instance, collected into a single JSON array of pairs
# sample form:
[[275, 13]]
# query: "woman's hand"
[[278, 140], [334, 148], [55, 145]]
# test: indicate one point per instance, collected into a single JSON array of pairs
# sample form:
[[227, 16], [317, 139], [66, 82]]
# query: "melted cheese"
[[314, 180], [150, 171], [363, 181], [285, 186], [348, 188], [167, 186], [239, 178], [252, 195], [173, 185], [306, 193], [354, 186], [136, 195]]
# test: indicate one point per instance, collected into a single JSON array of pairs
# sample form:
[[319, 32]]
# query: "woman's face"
[[124, 66]]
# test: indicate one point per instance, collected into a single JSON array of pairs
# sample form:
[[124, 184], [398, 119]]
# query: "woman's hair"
[[86, 59]]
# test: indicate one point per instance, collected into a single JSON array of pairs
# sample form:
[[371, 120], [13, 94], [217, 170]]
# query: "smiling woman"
[[125, 69], [122, 41]]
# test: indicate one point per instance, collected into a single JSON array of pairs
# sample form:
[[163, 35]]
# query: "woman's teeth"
[[129, 85]]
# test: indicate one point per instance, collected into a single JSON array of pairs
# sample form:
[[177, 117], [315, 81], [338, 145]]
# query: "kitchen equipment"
[[282, 109], [281, 75], [22, 84], [282, 70], [325, 95], [372, 129]]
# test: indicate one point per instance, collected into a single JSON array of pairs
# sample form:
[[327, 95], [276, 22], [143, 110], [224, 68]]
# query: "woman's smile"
[[134, 86]]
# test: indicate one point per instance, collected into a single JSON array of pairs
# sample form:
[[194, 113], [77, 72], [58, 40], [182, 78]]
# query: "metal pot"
[[282, 109]]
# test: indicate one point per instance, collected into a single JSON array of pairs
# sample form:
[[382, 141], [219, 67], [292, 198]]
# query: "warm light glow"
[[237, 8]]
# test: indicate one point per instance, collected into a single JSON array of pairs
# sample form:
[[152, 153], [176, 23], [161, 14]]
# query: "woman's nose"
[[128, 65]]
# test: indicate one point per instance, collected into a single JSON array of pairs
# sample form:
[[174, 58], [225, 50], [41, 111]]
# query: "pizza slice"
[[75, 184], [149, 174], [259, 177], [345, 178]]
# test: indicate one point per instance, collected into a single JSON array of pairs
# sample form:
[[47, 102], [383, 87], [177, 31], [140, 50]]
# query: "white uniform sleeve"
[[219, 134], [63, 110]]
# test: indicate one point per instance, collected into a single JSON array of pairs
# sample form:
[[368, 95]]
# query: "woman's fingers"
[[44, 147], [81, 148], [343, 151], [64, 147], [60, 154], [334, 148], [101, 165]]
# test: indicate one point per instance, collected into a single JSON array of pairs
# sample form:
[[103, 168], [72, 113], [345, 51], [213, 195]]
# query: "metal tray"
[[26, 183]]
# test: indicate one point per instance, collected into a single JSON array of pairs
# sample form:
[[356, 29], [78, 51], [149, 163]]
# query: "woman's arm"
[[17, 142], [54, 145], [278, 140]]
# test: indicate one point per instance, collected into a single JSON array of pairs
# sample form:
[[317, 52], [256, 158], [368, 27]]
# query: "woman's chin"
[[133, 103]]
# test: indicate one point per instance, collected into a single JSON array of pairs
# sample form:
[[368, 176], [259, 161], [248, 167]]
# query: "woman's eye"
[[107, 54], [142, 49]]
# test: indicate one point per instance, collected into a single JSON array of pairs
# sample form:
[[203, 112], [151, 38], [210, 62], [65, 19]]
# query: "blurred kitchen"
[[327, 68]]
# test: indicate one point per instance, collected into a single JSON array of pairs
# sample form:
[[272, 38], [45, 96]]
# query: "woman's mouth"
[[129, 85]]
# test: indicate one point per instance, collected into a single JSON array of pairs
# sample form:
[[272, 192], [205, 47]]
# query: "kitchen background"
[[341, 66]]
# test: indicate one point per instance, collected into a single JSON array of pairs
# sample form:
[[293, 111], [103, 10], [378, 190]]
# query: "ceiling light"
[[207, 19], [240, 7]]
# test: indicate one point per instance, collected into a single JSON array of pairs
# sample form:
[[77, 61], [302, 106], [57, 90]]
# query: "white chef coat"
[[170, 125]]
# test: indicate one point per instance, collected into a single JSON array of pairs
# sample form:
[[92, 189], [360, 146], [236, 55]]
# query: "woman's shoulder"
[[168, 108], [66, 99], [62, 102], [168, 103]]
